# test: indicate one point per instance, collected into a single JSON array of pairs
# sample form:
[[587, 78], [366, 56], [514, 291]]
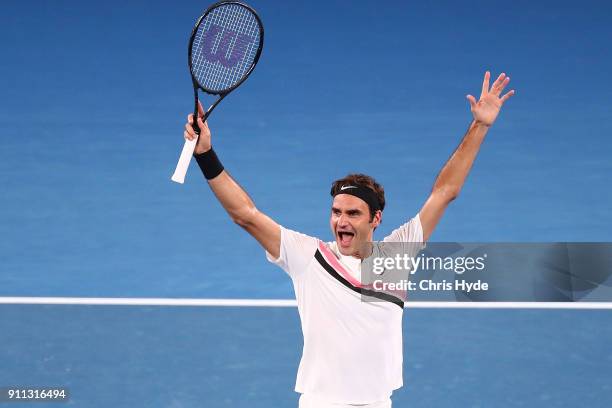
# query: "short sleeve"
[[296, 252], [411, 234]]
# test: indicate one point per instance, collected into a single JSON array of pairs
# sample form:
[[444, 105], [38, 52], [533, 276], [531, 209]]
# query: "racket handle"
[[184, 160], [196, 127]]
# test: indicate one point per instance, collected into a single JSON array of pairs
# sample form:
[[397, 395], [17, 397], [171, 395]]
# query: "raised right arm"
[[234, 199]]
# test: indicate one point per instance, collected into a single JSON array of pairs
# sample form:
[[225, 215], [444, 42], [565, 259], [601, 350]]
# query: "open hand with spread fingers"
[[486, 109]]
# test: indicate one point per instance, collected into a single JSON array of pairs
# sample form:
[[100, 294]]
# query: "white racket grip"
[[184, 160]]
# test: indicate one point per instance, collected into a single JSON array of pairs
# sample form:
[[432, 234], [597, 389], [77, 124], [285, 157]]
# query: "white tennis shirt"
[[352, 348]]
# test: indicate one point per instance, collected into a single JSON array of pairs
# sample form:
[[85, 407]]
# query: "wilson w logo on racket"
[[224, 48]]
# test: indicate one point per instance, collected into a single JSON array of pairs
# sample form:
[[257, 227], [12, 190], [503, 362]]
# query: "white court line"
[[148, 301], [289, 303]]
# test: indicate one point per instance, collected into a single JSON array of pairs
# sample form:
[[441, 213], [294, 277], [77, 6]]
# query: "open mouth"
[[345, 238]]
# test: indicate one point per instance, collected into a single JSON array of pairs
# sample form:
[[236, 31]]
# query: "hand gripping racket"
[[224, 48]]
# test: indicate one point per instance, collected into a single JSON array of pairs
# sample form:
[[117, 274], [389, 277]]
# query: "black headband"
[[359, 191]]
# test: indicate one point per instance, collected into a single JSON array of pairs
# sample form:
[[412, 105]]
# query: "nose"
[[342, 221]]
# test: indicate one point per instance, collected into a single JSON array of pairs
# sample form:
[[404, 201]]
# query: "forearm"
[[449, 182], [451, 178], [232, 197]]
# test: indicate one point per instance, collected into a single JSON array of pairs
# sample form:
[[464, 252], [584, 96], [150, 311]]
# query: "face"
[[350, 223]]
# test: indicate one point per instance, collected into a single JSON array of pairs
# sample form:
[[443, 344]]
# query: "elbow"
[[244, 218], [447, 193]]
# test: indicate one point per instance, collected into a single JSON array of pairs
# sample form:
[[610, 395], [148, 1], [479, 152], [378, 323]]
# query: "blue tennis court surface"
[[94, 99], [88, 144], [247, 357]]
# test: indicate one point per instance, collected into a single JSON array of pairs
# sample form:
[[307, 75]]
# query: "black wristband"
[[209, 164]]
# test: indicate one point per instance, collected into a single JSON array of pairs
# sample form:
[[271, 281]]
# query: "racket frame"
[[189, 146], [225, 92]]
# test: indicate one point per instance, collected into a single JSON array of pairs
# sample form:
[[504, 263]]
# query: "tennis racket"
[[224, 48]]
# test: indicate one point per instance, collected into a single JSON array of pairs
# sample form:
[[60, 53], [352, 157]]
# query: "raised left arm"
[[449, 182]]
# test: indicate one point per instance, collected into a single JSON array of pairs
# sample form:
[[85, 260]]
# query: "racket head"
[[224, 47]]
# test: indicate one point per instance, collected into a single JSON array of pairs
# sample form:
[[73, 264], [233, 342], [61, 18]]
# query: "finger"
[[189, 129], [190, 118], [188, 136], [200, 109], [507, 96], [496, 88], [472, 101], [485, 84], [203, 125], [501, 86]]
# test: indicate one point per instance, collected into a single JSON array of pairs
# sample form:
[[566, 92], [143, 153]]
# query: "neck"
[[364, 250]]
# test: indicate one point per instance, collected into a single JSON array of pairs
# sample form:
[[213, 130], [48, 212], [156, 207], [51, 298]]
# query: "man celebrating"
[[352, 349]]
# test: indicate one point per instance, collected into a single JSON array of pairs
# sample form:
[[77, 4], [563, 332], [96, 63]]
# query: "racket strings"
[[225, 47]]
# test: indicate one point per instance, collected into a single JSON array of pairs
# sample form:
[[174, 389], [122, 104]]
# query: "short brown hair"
[[362, 180]]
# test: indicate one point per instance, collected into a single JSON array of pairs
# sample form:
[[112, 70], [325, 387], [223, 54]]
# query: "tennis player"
[[352, 353]]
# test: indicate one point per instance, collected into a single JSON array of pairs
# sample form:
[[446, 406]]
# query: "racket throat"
[[196, 127]]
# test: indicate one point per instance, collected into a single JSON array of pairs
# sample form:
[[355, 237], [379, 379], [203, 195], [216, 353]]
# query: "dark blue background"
[[94, 98], [95, 95]]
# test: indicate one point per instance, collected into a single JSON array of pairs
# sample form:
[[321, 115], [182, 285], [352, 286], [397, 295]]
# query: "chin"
[[345, 251]]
